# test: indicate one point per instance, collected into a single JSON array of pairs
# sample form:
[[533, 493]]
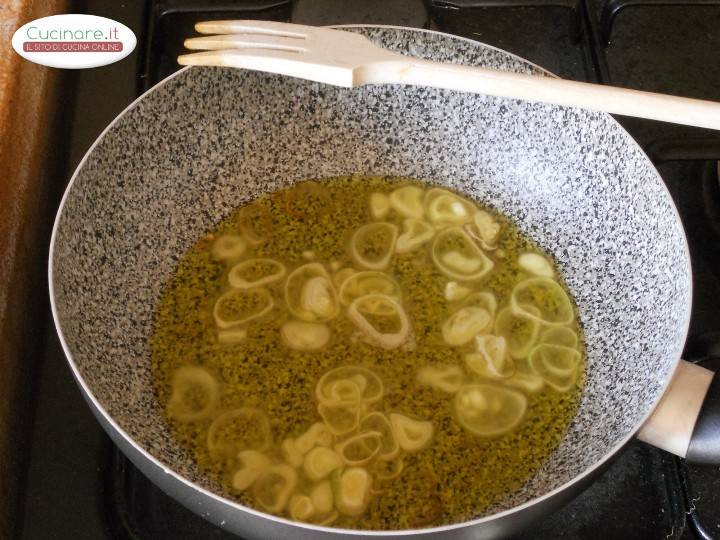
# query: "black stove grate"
[[612, 8], [700, 487], [554, 34], [171, 21], [659, 45]]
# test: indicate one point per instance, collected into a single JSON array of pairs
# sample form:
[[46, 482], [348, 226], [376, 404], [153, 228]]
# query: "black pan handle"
[[704, 446], [686, 421]]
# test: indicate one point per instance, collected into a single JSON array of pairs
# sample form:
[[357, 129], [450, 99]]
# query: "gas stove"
[[78, 485]]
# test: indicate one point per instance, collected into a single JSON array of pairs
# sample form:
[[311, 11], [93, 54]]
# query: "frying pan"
[[206, 140]]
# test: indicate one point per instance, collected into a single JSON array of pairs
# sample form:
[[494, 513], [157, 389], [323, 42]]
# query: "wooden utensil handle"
[[678, 110]]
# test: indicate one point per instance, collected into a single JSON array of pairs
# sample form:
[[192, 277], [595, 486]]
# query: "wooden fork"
[[348, 59]]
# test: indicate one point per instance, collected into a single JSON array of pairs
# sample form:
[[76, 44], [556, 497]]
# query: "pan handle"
[[686, 422]]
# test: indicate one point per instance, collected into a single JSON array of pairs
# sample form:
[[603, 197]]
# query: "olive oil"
[[460, 473]]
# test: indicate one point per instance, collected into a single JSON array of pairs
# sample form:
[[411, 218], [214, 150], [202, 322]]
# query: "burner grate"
[[700, 487], [553, 34], [664, 46], [171, 21], [612, 8]]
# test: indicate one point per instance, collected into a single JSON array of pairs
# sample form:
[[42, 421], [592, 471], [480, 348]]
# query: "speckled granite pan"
[[207, 139]]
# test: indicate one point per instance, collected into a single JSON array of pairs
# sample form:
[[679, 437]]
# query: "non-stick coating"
[[208, 139]]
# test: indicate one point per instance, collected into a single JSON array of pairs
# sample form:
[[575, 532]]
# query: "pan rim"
[[578, 479]]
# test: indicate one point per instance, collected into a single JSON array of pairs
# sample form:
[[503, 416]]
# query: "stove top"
[[80, 486]]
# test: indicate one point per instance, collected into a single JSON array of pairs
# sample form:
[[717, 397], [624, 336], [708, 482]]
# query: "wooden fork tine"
[[271, 28], [244, 41], [282, 62], [240, 58]]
